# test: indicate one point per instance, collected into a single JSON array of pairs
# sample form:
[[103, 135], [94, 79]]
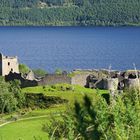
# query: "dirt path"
[[29, 118]]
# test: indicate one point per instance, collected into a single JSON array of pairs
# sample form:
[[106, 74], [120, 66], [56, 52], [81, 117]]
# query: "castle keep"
[[8, 64]]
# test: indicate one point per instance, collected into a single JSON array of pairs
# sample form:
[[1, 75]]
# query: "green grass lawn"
[[26, 130]]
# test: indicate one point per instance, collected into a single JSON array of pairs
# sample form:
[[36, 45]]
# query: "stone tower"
[[8, 64]]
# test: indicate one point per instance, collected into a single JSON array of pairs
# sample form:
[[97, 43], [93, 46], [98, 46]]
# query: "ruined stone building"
[[99, 79], [8, 64]]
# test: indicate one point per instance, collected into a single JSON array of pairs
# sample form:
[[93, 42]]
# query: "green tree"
[[58, 71], [23, 68], [70, 12], [39, 72], [11, 97], [8, 103], [7, 100], [16, 90]]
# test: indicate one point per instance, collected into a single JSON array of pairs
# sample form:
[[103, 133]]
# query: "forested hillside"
[[70, 12]]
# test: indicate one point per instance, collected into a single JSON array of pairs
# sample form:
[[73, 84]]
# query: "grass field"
[[32, 129], [24, 130]]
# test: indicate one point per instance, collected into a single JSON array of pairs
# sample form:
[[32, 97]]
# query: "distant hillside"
[[70, 12]]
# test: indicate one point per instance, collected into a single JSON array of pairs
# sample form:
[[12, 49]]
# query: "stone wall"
[[83, 79], [132, 83], [80, 79], [111, 84], [51, 79], [24, 82]]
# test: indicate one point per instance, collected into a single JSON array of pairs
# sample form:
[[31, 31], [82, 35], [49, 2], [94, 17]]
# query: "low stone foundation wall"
[[24, 82], [52, 79]]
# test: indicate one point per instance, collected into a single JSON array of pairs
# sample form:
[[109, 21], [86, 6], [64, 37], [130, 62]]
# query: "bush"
[[106, 97], [16, 90], [23, 68], [61, 128], [11, 97], [119, 120], [8, 103], [39, 72], [63, 87], [58, 71]]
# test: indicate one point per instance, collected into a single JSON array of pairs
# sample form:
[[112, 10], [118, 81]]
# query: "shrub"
[[119, 120], [63, 87], [11, 97], [8, 103], [39, 72], [58, 71], [61, 128], [23, 68]]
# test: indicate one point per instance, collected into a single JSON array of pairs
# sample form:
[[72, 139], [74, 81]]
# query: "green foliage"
[[16, 90], [15, 87], [41, 101], [119, 120], [8, 103], [63, 87], [70, 12], [58, 71], [29, 128], [61, 128], [3, 86], [23, 68], [11, 97], [7, 100], [65, 91], [40, 72]]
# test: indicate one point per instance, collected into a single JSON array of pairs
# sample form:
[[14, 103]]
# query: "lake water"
[[69, 48]]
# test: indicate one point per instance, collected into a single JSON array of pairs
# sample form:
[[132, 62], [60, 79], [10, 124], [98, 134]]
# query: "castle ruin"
[[8, 64], [99, 79]]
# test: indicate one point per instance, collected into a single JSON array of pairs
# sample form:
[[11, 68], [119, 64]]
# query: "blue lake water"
[[69, 48]]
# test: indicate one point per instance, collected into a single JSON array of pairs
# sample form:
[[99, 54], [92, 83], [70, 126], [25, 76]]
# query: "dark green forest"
[[70, 12]]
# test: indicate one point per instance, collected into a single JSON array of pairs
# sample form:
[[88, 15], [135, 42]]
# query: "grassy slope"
[[30, 128], [75, 93], [24, 130]]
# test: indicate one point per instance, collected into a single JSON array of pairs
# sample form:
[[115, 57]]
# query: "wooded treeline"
[[70, 12]]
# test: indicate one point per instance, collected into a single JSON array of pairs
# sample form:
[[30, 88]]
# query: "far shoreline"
[[67, 26]]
